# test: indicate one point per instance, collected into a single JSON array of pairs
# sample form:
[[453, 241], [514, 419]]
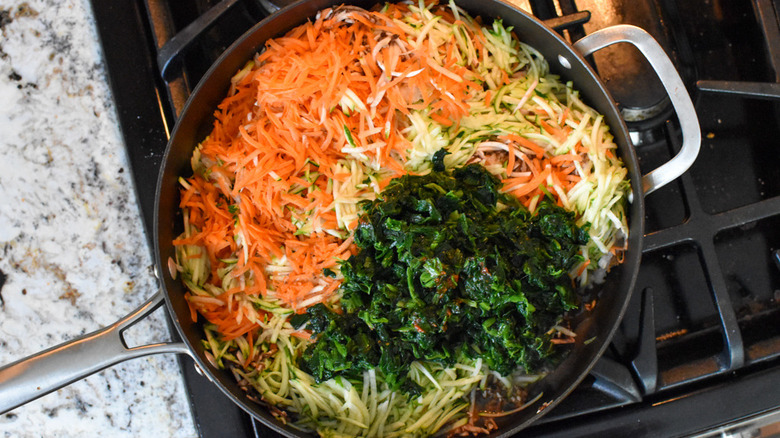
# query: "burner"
[[625, 72]]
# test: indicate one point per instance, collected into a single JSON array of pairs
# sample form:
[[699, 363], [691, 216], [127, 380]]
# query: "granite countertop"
[[73, 254]]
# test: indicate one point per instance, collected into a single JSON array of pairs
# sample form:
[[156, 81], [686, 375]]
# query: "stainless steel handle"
[[681, 101], [44, 372]]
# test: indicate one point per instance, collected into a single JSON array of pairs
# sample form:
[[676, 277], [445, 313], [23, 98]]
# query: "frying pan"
[[49, 370]]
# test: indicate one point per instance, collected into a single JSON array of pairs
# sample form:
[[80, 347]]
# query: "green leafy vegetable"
[[448, 266]]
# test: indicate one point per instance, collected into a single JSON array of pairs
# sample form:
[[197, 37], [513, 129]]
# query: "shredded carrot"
[[510, 165], [441, 119], [554, 173], [524, 143], [582, 267], [327, 85], [566, 157], [533, 184]]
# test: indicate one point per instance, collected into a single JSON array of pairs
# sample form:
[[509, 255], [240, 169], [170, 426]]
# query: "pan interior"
[[196, 121]]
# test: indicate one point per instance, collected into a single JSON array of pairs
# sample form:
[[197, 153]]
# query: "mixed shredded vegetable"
[[320, 121]]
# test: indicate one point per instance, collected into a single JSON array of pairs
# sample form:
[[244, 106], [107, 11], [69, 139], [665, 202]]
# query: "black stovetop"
[[702, 326]]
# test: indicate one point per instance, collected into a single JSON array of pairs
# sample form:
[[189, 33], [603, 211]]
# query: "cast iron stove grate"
[[702, 324]]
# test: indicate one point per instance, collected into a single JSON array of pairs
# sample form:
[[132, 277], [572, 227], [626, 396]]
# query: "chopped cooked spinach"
[[447, 266]]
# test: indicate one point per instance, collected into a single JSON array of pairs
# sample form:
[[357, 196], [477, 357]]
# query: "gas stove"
[[698, 352]]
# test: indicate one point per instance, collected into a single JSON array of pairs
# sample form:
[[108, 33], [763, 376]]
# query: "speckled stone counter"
[[73, 255]]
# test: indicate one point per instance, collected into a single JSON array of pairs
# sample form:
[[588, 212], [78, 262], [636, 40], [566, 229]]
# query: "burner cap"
[[632, 82]]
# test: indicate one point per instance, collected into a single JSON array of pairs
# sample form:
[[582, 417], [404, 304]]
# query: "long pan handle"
[[681, 101], [49, 370]]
